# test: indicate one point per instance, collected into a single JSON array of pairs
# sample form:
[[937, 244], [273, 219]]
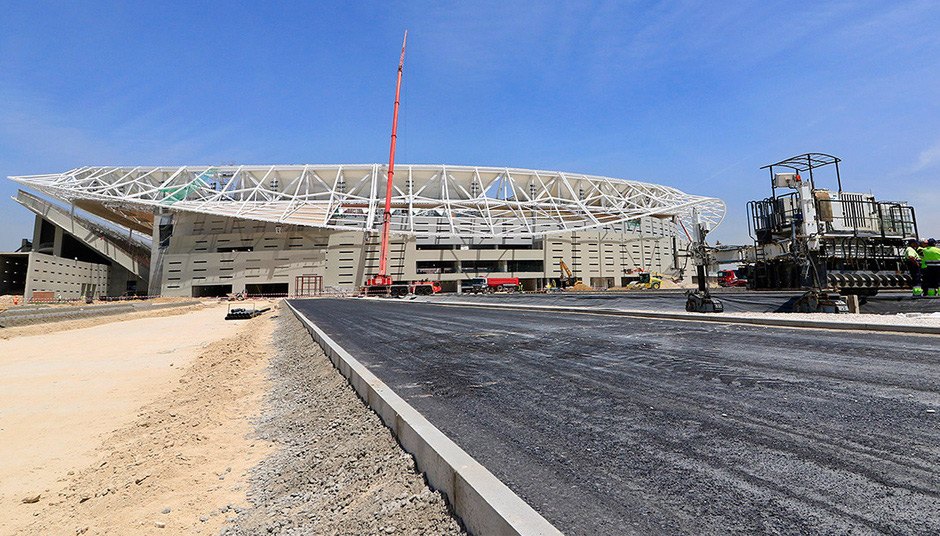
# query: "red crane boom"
[[383, 279]]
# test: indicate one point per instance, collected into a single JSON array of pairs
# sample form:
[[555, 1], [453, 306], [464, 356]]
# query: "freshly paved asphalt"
[[735, 300], [612, 425]]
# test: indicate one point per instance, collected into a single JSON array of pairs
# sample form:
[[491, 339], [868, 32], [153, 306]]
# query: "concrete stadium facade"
[[200, 231]]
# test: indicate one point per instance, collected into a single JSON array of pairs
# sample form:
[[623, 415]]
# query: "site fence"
[[43, 298], [48, 298], [328, 292]]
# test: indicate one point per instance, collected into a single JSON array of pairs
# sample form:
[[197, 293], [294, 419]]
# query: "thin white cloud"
[[46, 135], [927, 158], [909, 19]]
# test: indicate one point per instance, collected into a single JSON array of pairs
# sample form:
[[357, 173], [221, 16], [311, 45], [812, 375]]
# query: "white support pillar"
[[154, 283], [57, 241], [37, 232]]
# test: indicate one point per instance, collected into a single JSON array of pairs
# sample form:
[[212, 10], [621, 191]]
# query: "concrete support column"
[[57, 243], [37, 232], [28, 289], [160, 243], [643, 248]]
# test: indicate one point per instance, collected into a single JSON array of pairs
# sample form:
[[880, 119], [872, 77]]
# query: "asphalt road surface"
[[735, 300], [611, 425]]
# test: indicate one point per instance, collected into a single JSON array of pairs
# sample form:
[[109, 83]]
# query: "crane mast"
[[383, 279]]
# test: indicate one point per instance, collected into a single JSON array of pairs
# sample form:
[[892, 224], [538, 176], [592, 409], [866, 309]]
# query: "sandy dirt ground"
[[188, 424], [7, 301], [79, 323], [114, 424]]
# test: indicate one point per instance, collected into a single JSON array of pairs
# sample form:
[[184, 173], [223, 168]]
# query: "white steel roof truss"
[[293, 199], [445, 195], [245, 202], [551, 198], [516, 205], [510, 202], [411, 201], [373, 195]]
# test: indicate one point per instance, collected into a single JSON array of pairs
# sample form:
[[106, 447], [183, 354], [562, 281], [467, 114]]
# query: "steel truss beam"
[[428, 200]]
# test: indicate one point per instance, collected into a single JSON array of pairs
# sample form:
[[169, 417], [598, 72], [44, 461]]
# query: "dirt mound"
[[181, 464], [580, 287]]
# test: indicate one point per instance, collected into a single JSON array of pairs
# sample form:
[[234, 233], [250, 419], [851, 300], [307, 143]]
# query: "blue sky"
[[694, 95]]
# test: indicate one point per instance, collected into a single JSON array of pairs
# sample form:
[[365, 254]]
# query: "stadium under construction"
[[306, 229]]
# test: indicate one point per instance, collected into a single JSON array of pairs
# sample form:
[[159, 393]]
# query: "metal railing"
[[853, 216]]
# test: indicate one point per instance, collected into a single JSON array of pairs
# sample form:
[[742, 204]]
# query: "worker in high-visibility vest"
[[931, 263], [914, 260], [920, 251]]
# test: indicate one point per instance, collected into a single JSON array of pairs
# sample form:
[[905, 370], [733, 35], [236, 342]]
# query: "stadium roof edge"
[[469, 200]]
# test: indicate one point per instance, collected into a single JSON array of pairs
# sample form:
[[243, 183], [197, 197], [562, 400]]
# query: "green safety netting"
[[172, 194]]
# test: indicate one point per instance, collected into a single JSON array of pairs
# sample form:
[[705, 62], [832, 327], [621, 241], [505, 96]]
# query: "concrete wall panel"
[[210, 250], [66, 279]]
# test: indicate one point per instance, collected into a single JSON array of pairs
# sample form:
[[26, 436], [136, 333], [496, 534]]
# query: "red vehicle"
[[732, 278], [399, 289], [425, 288], [509, 284]]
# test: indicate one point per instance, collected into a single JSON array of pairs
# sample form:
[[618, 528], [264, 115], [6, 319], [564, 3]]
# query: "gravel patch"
[[335, 469]]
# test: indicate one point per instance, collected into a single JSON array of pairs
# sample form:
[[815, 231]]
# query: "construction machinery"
[[647, 281], [825, 241], [424, 288], [398, 289], [502, 284], [475, 285], [567, 278], [480, 285], [701, 300], [381, 284]]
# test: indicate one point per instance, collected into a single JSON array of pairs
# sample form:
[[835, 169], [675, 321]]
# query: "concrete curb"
[[699, 317], [480, 500]]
